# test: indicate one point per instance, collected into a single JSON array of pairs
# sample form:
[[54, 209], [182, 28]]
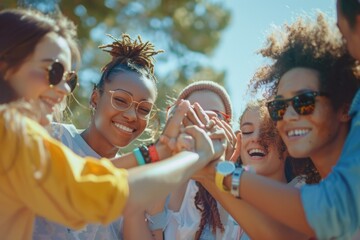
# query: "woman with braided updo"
[[122, 105]]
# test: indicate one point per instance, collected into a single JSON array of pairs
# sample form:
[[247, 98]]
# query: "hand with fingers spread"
[[174, 125]]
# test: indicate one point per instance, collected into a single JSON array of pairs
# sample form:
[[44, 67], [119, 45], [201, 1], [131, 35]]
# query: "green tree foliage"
[[188, 30]]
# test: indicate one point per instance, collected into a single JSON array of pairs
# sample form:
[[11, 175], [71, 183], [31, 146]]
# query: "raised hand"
[[230, 137], [203, 144], [174, 125]]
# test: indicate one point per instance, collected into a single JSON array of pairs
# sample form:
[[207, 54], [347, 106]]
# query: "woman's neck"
[[98, 143], [278, 176], [326, 158]]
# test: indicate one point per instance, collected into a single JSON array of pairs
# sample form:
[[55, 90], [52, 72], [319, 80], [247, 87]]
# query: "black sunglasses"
[[56, 73], [303, 104]]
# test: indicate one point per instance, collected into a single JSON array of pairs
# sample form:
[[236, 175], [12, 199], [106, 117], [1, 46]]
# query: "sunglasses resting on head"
[[303, 104]]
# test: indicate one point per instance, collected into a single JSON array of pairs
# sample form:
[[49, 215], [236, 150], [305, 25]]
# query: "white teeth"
[[256, 150], [48, 101], [124, 128], [298, 132]]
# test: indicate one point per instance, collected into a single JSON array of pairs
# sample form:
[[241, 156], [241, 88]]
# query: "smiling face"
[[30, 80], [314, 135], [119, 128], [264, 155]]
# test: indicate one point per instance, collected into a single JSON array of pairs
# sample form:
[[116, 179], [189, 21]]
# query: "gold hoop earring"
[[92, 109]]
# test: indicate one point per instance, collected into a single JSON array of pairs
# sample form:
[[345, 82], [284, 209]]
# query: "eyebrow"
[[147, 100], [296, 92], [120, 89], [48, 60]]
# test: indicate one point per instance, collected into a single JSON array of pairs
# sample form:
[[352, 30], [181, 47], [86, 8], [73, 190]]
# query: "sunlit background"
[[215, 40]]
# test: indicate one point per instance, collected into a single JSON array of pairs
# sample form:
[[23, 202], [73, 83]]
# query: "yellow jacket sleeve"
[[41, 175]]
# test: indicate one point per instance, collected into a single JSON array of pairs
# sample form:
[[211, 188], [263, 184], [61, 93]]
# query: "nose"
[[130, 114], [290, 113], [255, 137], [61, 90]]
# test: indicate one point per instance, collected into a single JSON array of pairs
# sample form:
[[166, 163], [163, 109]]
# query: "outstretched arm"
[[278, 200], [255, 223]]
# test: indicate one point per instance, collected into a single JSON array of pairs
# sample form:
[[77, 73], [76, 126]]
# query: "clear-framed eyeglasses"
[[122, 101]]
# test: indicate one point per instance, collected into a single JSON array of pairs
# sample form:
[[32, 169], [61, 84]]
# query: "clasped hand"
[[189, 128]]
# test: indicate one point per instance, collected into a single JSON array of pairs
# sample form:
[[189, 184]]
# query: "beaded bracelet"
[[145, 153], [139, 158], [235, 181], [154, 156]]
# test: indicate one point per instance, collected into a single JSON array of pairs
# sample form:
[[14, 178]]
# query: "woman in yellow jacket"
[[40, 176]]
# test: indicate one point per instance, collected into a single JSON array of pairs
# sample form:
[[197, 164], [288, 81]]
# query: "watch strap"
[[235, 181]]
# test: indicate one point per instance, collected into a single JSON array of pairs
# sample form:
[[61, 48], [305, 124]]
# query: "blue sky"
[[251, 23]]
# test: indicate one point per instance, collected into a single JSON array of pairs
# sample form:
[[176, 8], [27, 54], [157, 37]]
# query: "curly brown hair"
[[315, 45]]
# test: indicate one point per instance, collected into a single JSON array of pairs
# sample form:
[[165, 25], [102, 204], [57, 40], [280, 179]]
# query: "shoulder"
[[19, 122], [61, 130]]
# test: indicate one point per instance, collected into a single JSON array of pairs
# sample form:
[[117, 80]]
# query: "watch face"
[[225, 168]]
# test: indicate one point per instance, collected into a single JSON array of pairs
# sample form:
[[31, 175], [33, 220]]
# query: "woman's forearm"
[[135, 227], [278, 200], [255, 223], [128, 160], [155, 181]]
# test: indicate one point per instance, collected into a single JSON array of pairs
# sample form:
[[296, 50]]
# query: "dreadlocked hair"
[[129, 56], [207, 205], [309, 44]]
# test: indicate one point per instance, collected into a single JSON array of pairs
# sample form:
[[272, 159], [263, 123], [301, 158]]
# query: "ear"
[[7, 72], [94, 99], [343, 113]]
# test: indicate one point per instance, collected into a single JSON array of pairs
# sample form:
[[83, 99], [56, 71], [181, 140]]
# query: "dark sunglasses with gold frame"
[[56, 73]]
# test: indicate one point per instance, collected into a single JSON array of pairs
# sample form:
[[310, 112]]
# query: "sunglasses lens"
[[72, 80], [304, 104], [277, 109], [56, 73]]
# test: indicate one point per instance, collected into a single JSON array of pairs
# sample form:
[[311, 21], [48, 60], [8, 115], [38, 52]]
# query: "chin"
[[46, 119], [296, 153]]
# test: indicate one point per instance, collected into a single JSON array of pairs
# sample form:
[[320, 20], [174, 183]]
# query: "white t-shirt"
[[184, 224], [45, 229]]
